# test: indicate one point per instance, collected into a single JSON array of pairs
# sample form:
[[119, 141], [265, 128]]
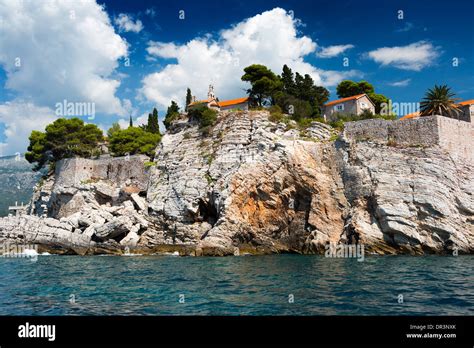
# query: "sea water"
[[240, 285]]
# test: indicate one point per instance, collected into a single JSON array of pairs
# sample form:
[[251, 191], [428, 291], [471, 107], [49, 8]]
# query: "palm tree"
[[439, 101]]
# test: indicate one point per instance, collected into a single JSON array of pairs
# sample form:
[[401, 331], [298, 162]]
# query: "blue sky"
[[79, 52]]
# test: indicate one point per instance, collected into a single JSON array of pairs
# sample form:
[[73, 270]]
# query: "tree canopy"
[[439, 100], [115, 127], [296, 94], [64, 138], [153, 126], [300, 96], [133, 140], [171, 113], [205, 116], [264, 84], [189, 98]]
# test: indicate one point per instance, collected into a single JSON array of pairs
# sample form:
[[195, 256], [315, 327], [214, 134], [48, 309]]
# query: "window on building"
[[339, 107], [364, 105]]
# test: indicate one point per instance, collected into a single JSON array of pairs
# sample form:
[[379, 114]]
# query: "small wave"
[[29, 253]]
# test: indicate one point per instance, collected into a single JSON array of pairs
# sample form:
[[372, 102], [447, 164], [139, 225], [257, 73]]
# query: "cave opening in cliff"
[[207, 212]]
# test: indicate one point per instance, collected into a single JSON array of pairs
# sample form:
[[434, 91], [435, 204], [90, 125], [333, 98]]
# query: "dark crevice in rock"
[[207, 212]]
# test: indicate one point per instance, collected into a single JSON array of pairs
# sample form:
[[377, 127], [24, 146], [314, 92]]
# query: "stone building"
[[354, 105], [212, 102], [467, 110]]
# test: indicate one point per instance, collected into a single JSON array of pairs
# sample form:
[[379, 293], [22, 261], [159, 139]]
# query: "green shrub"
[[276, 117], [304, 122], [134, 140], [205, 116], [149, 164], [275, 109], [338, 124]]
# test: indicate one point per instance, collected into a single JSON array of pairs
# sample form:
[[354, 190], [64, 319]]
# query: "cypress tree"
[[153, 125], [189, 98]]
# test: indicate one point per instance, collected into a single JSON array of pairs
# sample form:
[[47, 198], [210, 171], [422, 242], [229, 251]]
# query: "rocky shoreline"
[[254, 186]]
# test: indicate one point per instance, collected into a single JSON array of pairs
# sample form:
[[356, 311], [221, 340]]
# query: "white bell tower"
[[210, 94]]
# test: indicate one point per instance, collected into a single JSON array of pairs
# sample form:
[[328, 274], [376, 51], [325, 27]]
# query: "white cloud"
[[56, 50], [402, 83], [270, 38], [333, 51], [137, 121], [53, 51], [415, 56], [20, 118], [125, 23]]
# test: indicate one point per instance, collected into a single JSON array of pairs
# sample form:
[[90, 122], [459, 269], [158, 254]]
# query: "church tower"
[[210, 94]]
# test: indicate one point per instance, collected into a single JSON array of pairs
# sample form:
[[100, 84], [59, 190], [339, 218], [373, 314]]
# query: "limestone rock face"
[[248, 185], [261, 187], [408, 199]]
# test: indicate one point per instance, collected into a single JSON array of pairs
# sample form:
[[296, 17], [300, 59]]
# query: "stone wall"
[[457, 137], [76, 171], [452, 135]]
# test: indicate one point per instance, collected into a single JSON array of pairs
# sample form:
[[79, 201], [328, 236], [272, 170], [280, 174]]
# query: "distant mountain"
[[17, 181]]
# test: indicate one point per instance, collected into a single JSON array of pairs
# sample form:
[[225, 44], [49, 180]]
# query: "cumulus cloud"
[[56, 50], [402, 83], [125, 23], [333, 51], [20, 118], [53, 51], [270, 38], [415, 56]]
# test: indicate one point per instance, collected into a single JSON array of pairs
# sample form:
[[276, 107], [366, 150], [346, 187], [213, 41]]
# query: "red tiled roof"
[[334, 102], [199, 102], [233, 101], [412, 115], [467, 102]]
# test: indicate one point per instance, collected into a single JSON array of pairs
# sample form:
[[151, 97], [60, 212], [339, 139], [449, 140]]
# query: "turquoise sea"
[[244, 285]]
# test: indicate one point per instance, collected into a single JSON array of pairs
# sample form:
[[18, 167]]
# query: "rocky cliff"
[[250, 185]]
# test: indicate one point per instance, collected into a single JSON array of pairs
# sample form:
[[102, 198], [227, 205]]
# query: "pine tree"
[[287, 78], [189, 99], [130, 122]]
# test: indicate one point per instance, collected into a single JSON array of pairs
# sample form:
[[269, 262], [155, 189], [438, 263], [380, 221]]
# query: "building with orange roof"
[[354, 105], [213, 103], [415, 114], [466, 112]]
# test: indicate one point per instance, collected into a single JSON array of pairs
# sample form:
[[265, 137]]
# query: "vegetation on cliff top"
[[296, 94], [136, 140], [66, 138], [439, 100], [132, 141], [63, 138]]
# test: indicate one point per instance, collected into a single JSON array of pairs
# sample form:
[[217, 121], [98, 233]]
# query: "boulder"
[[139, 202], [112, 229]]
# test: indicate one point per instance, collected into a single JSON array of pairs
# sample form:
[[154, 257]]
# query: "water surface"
[[245, 285]]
